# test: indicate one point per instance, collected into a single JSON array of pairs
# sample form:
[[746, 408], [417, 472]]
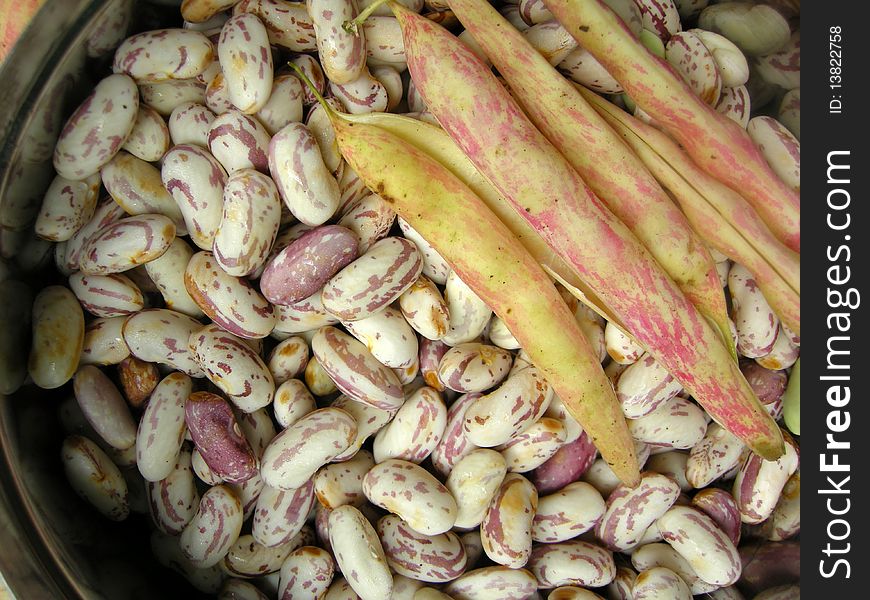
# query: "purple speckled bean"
[[314, 440], [342, 54], [162, 54], [359, 554], [430, 558], [189, 124], [200, 11], [238, 141], [309, 65], [288, 359], [534, 11], [292, 402], [217, 436], [217, 96], [388, 337], [783, 67], [355, 371], [287, 23], [246, 60], [660, 17], [474, 367], [713, 456], [473, 482], [364, 94], [783, 355], [769, 564], [735, 103], [720, 506], [569, 463], [499, 334], [688, 55], [671, 464], [431, 352], [631, 511], [469, 314], [305, 315], [454, 443], [248, 492], [759, 483], [306, 574], [104, 343], [573, 510], [416, 429], [391, 80], [341, 483], [493, 583], [660, 583], [160, 336], [305, 265], [534, 446], [408, 490], [107, 295], [107, 212], [707, 548], [370, 218], [321, 128], [231, 302], [95, 478], [785, 522], [127, 243], [676, 423], [757, 324], [644, 386], [512, 408], [318, 380], [581, 67], [280, 515], [551, 40], [506, 529], [165, 96], [780, 148], [571, 563], [162, 426], [173, 500], [572, 592], [104, 407], [258, 429], [557, 410], [196, 180], [620, 587], [425, 310], [66, 207], [249, 224], [769, 385], [307, 187], [214, 528], [98, 128], [368, 418], [150, 137], [621, 348], [284, 105]]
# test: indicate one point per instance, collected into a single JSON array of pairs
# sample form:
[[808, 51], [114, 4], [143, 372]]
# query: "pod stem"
[[352, 26], [330, 112]]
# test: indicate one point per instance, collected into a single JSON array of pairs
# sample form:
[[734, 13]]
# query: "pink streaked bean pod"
[[512, 408], [370, 218], [473, 482], [299, 451], [196, 181], [233, 367], [712, 457], [306, 574], [572, 511], [287, 23], [631, 511], [246, 60], [66, 207], [98, 128], [231, 302], [284, 105], [572, 563], [425, 310], [506, 528], [214, 528], [249, 224], [705, 547], [474, 367], [534, 446], [454, 443], [431, 558], [307, 187], [359, 553], [189, 124], [126, 244], [173, 500], [154, 56], [150, 137], [342, 54], [280, 515], [364, 94], [408, 490], [355, 371], [416, 429], [239, 141], [493, 583], [107, 295], [759, 483], [161, 428], [341, 483], [216, 433]]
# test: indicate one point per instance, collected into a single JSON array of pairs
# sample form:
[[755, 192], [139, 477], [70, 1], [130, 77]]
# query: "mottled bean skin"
[[342, 54], [306, 574], [416, 429], [217, 436], [473, 482], [631, 511], [569, 463], [707, 549], [214, 528], [660, 583], [161, 428], [160, 335], [572, 563], [454, 443], [759, 483], [506, 529], [493, 583], [154, 56], [287, 22], [107, 295], [431, 558], [246, 60], [720, 506], [95, 478], [567, 513], [280, 514], [150, 138], [66, 207], [127, 243], [173, 500], [196, 180], [239, 141], [359, 553]]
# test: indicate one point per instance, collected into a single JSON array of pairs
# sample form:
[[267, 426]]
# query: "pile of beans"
[[302, 397]]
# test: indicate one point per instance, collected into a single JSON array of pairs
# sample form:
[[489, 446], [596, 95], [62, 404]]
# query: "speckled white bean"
[[150, 137], [165, 96], [780, 148], [581, 67], [363, 94], [434, 265], [757, 324], [246, 60], [735, 104], [292, 402], [652, 555], [721, 506], [189, 124], [534, 11], [342, 54], [416, 429], [318, 122], [66, 207], [493, 583], [521, 400], [287, 23], [127, 243], [391, 80], [558, 410], [387, 336], [759, 483], [104, 407], [644, 386], [713, 456], [161, 428], [369, 217], [660, 583], [455, 443], [284, 105], [98, 128], [162, 54], [671, 464], [160, 336], [167, 273], [173, 500], [57, 334], [217, 95], [630, 512], [281, 514], [107, 295], [660, 17], [551, 40], [307, 187], [408, 490], [789, 112], [473, 482], [621, 348], [429, 558], [676, 423], [239, 589], [620, 587], [474, 367], [306, 574], [95, 478], [567, 513], [425, 309], [214, 528], [534, 446], [249, 558], [195, 180], [231, 302], [506, 528], [730, 61], [341, 483], [323, 434], [359, 553], [239, 141], [288, 359], [368, 418], [705, 547], [103, 342], [309, 65], [572, 563], [469, 314], [782, 355]]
